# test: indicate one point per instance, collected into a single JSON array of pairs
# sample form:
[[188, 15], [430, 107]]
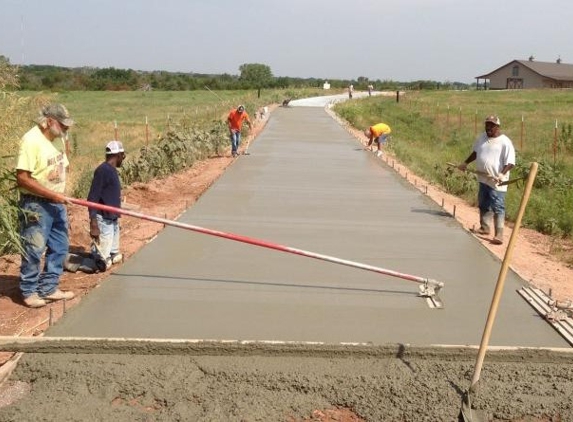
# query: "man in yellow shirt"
[[41, 181], [378, 133]]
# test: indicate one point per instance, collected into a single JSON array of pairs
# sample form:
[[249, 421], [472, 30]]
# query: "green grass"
[[429, 129], [434, 127]]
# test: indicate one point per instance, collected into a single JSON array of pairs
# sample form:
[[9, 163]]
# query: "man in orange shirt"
[[235, 122], [378, 133]]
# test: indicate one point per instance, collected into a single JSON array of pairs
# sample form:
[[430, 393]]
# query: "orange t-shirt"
[[236, 119]]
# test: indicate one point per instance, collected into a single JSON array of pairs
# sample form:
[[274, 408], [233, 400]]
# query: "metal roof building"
[[528, 74]]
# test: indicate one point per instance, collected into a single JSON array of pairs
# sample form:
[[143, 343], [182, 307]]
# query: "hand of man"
[[59, 198], [94, 230]]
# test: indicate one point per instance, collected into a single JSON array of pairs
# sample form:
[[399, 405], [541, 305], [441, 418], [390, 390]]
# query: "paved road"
[[308, 184]]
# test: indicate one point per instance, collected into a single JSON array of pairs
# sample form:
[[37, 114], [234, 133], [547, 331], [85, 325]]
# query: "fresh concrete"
[[308, 184]]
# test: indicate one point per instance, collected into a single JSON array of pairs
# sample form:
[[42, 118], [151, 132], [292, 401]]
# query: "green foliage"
[[9, 233], [175, 151], [256, 75], [82, 185], [14, 111]]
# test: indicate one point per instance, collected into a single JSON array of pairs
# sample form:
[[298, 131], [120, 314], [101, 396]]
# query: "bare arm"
[[468, 160], [25, 180]]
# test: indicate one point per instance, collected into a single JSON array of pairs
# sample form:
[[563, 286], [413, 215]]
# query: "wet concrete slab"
[[308, 184]]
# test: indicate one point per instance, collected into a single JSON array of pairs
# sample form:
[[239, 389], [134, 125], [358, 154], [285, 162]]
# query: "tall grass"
[[433, 128]]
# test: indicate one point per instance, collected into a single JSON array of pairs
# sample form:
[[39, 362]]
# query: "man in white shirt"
[[494, 155]]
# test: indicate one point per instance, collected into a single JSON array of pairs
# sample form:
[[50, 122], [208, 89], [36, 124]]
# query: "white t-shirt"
[[492, 155]]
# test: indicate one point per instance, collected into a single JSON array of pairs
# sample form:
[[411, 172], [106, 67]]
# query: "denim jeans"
[[43, 228], [108, 239], [235, 141], [490, 199]]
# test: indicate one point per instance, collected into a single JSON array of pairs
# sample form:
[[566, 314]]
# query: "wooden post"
[[521, 134], [448, 117], [146, 131], [555, 143], [115, 130], [460, 119], [476, 124]]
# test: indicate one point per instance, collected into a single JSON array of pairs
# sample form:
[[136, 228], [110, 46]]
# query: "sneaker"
[[497, 241], [379, 154], [59, 295], [116, 258], [34, 301]]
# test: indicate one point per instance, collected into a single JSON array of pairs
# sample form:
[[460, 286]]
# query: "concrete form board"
[[308, 184]]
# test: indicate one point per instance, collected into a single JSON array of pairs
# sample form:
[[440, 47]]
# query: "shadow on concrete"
[[437, 213], [266, 283]]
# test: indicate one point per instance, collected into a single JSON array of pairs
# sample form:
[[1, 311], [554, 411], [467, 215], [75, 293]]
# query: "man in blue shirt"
[[106, 189]]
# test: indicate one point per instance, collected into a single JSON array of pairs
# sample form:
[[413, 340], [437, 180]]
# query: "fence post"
[[146, 132], [521, 135], [476, 124], [115, 130], [555, 143], [460, 119], [448, 118]]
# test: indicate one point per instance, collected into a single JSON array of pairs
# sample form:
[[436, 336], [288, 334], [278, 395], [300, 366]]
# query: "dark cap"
[[493, 119], [58, 112]]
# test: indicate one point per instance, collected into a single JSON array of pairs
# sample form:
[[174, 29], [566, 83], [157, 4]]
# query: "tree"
[[256, 75]]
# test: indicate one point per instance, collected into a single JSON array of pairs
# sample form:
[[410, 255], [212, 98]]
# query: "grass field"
[[140, 118], [430, 128], [434, 127]]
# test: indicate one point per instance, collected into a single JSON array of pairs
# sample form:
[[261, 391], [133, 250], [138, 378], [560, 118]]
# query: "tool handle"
[[252, 241], [502, 275]]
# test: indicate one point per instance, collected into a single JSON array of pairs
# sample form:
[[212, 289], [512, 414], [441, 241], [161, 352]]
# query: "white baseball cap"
[[114, 147]]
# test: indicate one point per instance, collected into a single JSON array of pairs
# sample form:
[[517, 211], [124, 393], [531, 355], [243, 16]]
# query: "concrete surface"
[[310, 185], [306, 184]]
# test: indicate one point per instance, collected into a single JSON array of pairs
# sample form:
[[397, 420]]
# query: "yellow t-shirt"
[[39, 156], [380, 129]]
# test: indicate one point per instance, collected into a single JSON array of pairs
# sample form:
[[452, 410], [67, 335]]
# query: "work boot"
[[59, 295], [499, 223], [34, 301], [484, 219]]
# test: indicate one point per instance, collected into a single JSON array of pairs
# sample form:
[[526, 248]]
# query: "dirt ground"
[[533, 259]]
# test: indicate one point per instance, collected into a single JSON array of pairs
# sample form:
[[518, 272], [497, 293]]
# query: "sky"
[[400, 40]]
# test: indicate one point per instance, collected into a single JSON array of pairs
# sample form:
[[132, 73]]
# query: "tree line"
[[251, 76]]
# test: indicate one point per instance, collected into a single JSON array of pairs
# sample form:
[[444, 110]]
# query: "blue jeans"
[[43, 228], [490, 199], [108, 239], [235, 141]]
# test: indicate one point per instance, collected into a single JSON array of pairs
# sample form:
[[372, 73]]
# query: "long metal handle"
[[257, 242]]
